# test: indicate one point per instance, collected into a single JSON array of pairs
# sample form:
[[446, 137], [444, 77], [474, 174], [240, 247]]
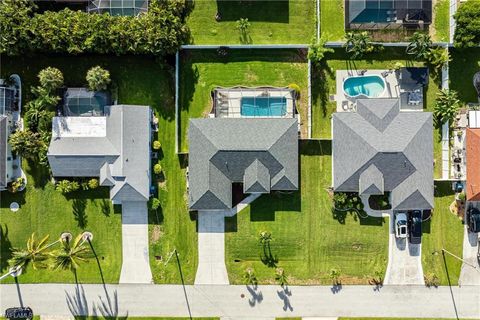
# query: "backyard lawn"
[[202, 70], [308, 238], [464, 64], [441, 21], [140, 80], [271, 22], [444, 230], [332, 20], [324, 85]]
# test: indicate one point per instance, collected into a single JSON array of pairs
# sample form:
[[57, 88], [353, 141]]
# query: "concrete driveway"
[[136, 264], [404, 260], [470, 275], [211, 248]]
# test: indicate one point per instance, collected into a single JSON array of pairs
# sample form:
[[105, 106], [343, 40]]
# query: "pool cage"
[[238, 102], [118, 7], [7, 100], [80, 102]]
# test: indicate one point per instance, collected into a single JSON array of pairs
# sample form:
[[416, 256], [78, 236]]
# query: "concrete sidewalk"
[[468, 274], [227, 301]]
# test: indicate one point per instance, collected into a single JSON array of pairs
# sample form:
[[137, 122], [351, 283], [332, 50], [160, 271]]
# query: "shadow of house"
[[261, 11]]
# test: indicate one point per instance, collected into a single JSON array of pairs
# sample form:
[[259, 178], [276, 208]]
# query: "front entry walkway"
[[470, 275], [211, 248], [136, 262]]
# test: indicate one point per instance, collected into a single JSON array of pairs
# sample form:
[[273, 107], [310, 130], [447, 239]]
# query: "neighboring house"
[[10, 108], [472, 189], [261, 154], [114, 148], [388, 14], [113, 7], [380, 149]]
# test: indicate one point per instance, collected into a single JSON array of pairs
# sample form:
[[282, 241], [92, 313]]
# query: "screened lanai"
[[119, 7], [389, 11], [82, 102], [6, 100]]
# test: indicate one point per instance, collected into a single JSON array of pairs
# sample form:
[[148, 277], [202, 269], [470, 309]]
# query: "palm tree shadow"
[[268, 258], [77, 303], [5, 247], [108, 308]]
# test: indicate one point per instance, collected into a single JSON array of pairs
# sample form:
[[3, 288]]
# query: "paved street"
[[227, 301], [135, 264], [211, 248]]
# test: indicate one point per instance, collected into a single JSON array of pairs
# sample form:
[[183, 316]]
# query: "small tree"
[[26, 143], [98, 78], [358, 44], [154, 203], [250, 278], [66, 186], [50, 78], [156, 145], [243, 25], [281, 277], [335, 276], [93, 183], [157, 168], [438, 56], [33, 254], [467, 18], [419, 45], [431, 279], [317, 51], [446, 106]]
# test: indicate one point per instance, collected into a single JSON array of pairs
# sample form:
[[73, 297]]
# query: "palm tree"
[[335, 276], [71, 254], [33, 254], [250, 278], [281, 277], [419, 45], [446, 106], [358, 43]]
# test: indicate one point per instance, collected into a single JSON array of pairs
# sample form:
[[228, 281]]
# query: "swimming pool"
[[263, 106], [370, 86]]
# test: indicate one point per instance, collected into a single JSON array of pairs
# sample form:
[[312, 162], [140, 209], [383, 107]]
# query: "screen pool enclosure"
[[239, 102], [118, 7], [83, 102], [6, 99]]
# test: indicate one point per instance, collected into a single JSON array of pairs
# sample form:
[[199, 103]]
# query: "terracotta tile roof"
[[473, 164]]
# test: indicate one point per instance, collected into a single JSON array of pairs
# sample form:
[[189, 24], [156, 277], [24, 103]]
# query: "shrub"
[[16, 185], [66, 186], [156, 145], [317, 51], [50, 78], [419, 45], [446, 106], [157, 168], [462, 196], [437, 57], [295, 87], [431, 279], [154, 203], [335, 276], [98, 78], [358, 44], [26, 143], [340, 199], [467, 18], [93, 183], [243, 25]]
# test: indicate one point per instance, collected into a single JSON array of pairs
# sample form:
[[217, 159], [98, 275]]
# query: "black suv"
[[415, 227], [473, 219]]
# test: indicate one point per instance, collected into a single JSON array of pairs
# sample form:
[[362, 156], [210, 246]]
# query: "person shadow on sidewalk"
[[284, 295]]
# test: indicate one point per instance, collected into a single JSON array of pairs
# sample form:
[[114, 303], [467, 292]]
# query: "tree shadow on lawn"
[[265, 11], [316, 147], [39, 173], [6, 198], [5, 247], [78, 209], [341, 217]]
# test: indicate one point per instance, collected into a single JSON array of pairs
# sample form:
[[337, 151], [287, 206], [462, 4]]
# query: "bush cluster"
[[160, 31], [66, 186], [467, 31], [344, 201]]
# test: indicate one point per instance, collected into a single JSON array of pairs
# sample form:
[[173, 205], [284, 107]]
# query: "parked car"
[[473, 219], [415, 227], [401, 224]]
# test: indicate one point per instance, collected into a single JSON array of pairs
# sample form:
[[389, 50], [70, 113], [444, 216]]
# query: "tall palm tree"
[[71, 254], [33, 254]]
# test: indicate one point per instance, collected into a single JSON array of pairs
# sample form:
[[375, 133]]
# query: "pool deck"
[[346, 103]]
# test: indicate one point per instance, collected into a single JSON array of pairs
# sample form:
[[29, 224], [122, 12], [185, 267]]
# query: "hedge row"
[[160, 31]]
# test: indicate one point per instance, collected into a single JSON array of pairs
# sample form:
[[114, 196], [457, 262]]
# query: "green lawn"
[[308, 238], [202, 71], [350, 318], [47, 212], [442, 21], [271, 22], [323, 85], [140, 80], [444, 230], [332, 20], [464, 64]]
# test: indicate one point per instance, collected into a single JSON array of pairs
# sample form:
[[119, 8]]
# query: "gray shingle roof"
[[376, 146], [3, 151], [120, 158], [262, 153]]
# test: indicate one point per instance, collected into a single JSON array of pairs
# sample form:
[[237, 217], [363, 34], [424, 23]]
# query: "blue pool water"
[[370, 86], [263, 106]]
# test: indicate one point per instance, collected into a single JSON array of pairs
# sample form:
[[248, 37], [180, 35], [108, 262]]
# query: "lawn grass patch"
[[332, 20], [202, 70], [309, 238], [324, 85], [141, 80], [444, 230], [442, 21], [272, 22], [464, 64]]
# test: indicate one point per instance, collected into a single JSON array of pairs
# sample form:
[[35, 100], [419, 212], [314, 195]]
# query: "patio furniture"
[[414, 98], [345, 105]]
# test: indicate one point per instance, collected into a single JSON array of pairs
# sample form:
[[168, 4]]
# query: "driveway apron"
[[470, 275]]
